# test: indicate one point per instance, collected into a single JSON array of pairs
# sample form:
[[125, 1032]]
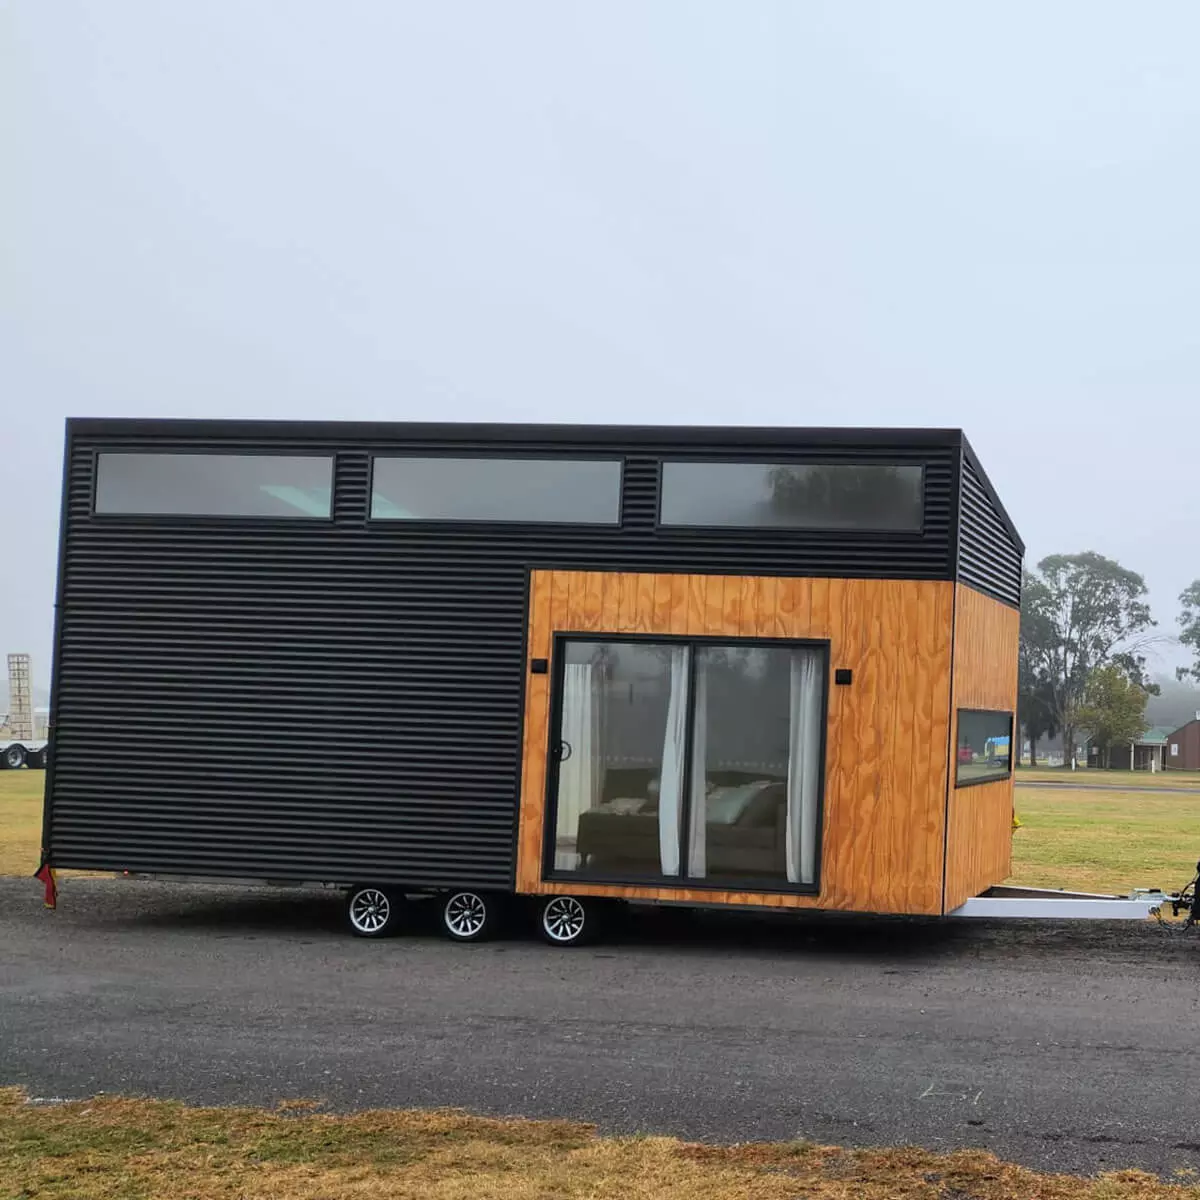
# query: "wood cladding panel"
[[979, 818], [882, 844]]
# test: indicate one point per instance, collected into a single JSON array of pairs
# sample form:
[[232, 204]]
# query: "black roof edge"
[[1001, 511], [470, 431]]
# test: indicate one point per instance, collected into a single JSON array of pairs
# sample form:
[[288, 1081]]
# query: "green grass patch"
[[1105, 841]]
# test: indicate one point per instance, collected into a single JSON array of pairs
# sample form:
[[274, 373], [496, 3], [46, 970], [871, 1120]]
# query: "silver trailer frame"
[[1045, 904]]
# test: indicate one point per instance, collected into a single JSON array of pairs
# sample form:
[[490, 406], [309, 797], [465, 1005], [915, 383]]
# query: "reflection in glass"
[[621, 748], [739, 767], [793, 495], [214, 485], [756, 759], [578, 491], [984, 746]]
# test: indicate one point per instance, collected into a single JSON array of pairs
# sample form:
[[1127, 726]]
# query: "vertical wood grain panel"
[[661, 618], [677, 616], [610, 603], [647, 586], [590, 602], [731, 590], [627, 605], [979, 818], [714, 605], [765, 608], [886, 738], [697, 599]]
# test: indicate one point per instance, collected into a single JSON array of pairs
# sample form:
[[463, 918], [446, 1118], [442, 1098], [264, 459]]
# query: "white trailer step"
[[1045, 904]]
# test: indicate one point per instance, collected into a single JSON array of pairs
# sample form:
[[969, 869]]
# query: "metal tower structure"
[[20, 697]]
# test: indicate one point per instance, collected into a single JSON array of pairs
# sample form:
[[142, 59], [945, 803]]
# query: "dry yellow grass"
[[129, 1149], [20, 821]]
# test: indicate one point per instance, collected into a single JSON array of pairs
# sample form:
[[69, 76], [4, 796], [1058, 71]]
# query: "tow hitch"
[[1186, 902]]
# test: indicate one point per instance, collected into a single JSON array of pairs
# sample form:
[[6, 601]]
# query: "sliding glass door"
[[691, 762]]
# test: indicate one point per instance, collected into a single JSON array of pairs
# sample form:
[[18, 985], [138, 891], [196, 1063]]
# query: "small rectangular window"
[[214, 485], [793, 495], [984, 747], [569, 491]]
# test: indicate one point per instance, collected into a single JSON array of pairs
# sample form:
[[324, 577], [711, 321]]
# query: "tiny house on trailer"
[[770, 668]]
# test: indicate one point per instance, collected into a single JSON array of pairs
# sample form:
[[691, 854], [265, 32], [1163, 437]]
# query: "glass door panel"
[[756, 764], [621, 747]]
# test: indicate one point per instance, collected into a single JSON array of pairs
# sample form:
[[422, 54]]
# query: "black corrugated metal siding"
[[341, 700], [989, 552]]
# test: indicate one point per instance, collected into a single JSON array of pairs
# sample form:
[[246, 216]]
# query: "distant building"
[[1183, 747], [1147, 753]]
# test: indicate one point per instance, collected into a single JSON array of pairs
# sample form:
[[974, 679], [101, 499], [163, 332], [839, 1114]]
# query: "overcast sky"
[[771, 213]]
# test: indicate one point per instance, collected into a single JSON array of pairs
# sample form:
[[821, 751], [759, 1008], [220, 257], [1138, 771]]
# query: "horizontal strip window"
[[692, 764], [561, 491], [214, 485], [869, 496], [984, 747]]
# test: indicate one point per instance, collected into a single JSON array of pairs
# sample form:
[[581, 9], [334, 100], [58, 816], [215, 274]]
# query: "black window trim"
[[680, 882], [776, 532], [985, 712], [475, 522], [203, 519]]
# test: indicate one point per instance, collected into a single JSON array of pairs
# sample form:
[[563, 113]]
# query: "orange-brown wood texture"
[[979, 818], [882, 845]]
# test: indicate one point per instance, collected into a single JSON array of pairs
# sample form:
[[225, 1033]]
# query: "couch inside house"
[[744, 826]]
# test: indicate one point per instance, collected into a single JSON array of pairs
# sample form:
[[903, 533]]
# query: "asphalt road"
[[1129, 789], [1070, 1047]]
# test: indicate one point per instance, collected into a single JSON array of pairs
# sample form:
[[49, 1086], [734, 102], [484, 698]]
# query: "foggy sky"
[[770, 213]]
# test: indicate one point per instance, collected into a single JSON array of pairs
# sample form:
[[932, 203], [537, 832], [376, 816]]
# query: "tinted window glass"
[[620, 773], [792, 496], [984, 746], [582, 491], [678, 761], [756, 764], [214, 485]]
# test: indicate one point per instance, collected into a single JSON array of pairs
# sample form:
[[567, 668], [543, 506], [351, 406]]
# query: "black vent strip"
[[988, 558], [342, 700]]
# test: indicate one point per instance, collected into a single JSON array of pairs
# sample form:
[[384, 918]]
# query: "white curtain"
[[670, 787], [804, 762], [581, 775], [697, 842]]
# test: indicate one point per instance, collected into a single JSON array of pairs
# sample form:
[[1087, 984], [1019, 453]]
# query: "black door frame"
[[554, 760]]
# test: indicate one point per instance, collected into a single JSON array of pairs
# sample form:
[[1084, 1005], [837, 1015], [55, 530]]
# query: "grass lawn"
[[1070, 837], [129, 1149], [20, 821], [1105, 841]]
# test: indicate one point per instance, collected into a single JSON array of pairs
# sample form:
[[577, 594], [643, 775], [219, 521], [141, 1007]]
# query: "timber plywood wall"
[[979, 818], [888, 732]]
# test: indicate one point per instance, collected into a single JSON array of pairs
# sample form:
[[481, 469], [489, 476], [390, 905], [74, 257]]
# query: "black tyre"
[[374, 912], [13, 757], [35, 760], [569, 920], [470, 916]]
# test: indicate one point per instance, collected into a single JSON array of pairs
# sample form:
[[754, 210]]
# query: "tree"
[[1113, 709], [878, 496], [1189, 621], [1035, 704], [1081, 612]]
